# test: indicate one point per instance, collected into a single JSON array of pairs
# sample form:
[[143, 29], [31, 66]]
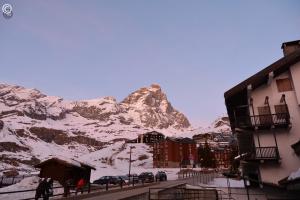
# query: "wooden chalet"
[[64, 169]]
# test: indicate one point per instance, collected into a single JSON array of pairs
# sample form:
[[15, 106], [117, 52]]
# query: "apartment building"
[[264, 113], [174, 152]]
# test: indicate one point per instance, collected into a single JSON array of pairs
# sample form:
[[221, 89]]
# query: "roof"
[[285, 181], [257, 79], [290, 43], [65, 161], [153, 133], [181, 140]]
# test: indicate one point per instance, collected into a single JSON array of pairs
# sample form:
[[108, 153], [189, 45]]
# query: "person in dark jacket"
[[41, 189], [67, 186], [49, 187]]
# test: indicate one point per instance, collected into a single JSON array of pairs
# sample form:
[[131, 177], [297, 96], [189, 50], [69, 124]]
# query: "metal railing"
[[264, 153], [6, 181], [263, 121], [28, 194]]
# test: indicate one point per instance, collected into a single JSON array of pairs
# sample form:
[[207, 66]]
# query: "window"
[[296, 147], [284, 85]]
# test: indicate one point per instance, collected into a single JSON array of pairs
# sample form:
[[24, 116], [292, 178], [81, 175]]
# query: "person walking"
[[49, 188], [67, 185], [80, 185], [41, 189]]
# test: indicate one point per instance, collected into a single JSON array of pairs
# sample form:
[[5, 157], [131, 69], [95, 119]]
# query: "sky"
[[196, 50]]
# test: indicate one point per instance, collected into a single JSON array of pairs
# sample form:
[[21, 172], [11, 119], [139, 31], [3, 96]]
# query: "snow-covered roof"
[[294, 175], [67, 161]]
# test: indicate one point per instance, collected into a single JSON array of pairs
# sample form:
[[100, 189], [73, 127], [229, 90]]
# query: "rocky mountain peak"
[[13, 94], [152, 96], [154, 109], [146, 107]]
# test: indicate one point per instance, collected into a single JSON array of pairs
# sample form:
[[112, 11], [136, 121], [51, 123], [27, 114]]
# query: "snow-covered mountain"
[[34, 125], [220, 125]]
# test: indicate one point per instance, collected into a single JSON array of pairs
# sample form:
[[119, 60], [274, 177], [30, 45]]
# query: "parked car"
[[161, 176], [146, 177], [107, 179]]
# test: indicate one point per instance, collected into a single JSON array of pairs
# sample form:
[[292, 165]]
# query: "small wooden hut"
[[65, 169]]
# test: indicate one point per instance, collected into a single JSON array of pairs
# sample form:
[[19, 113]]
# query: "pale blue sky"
[[196, 50]]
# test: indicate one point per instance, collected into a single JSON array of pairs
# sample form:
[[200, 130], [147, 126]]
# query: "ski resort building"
[[264, 113], [151, 137], [174, 152], [148, 138]]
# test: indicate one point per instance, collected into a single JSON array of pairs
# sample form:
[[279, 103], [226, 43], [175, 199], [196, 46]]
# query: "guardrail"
[[6, 181], [30, 193], [202, 176]]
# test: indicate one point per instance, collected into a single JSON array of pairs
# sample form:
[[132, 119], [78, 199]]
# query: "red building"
[[174, 152], [223, 157]]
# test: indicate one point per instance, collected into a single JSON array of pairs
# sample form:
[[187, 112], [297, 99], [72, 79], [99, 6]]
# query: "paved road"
[[132, 192], [237, 193]]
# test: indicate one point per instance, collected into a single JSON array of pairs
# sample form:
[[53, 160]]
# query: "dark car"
[[161, 176], [108, 180], [146, 177]]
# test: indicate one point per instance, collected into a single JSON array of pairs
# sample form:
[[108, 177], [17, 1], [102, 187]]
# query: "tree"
[[206, 156]]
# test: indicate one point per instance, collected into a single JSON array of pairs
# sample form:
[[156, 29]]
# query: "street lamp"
[[131, 147]]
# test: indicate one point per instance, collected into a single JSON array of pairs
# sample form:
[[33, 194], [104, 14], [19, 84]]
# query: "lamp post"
[[131, 147]]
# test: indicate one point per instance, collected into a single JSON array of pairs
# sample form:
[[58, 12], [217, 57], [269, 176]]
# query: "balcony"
[[278, 120], [264, 154]]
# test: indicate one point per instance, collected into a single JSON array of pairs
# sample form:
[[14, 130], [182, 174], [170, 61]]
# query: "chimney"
[[290, 47]]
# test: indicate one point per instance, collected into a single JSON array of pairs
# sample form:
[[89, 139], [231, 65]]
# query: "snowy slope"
[[34, 126], [220, 125]]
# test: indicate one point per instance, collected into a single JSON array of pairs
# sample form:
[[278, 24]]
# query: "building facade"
[[224, 156], [151, 137], [148, 138], [174, 153], [264, 113]]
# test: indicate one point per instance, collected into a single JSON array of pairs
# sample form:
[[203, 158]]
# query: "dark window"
[[284, 85], [296, 147]]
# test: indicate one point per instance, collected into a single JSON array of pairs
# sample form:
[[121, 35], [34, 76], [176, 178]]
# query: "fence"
[[201, 176], [6, 181], [59, 190]]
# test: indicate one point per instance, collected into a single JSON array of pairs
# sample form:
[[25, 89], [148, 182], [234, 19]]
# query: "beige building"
[[264, 113]]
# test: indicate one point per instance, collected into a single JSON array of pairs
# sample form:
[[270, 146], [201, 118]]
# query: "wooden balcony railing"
[[263, 121], [265, 154]]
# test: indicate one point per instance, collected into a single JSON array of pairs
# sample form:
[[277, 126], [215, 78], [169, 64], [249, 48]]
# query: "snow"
[[294, 175], [29, 183]]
